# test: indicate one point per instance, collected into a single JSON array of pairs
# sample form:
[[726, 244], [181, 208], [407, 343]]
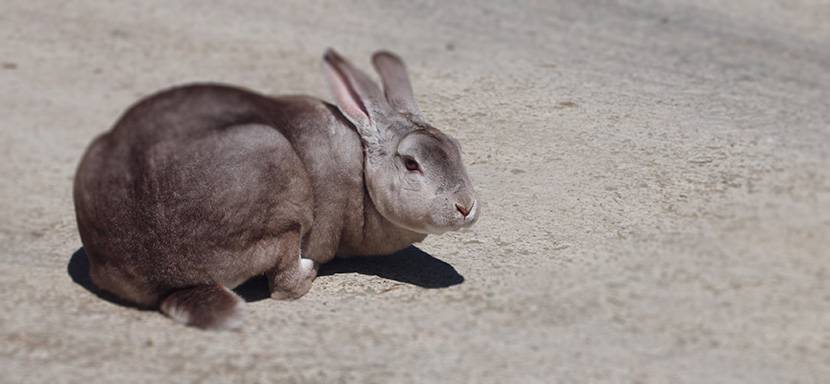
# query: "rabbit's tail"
[[204, 306]]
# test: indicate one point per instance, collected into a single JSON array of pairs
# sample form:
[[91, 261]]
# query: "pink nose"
[[464, 210]]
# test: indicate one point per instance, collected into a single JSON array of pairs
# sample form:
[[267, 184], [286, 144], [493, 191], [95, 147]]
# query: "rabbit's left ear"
[[358, 97], [396, 83]]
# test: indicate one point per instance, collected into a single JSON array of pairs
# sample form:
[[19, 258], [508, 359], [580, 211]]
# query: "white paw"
[[306, 266]]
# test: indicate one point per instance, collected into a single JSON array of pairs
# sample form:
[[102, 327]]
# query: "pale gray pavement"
[[655, 178]]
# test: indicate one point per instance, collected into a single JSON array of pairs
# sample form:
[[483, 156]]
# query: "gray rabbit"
[[198, 188]]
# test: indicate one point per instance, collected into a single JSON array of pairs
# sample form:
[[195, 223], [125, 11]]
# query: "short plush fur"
[[201, 187]]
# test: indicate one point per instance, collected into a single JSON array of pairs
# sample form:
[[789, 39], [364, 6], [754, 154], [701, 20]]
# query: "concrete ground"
[[655, 178]]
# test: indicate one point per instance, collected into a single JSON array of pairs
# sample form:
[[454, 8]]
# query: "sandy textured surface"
[[655, 178]]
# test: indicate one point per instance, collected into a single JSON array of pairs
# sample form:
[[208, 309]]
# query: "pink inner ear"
[[347, 99]]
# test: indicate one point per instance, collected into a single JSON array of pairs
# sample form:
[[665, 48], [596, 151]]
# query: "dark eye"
[[411, 165]]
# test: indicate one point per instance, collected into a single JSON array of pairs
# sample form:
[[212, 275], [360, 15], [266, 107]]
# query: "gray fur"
[[209, 185]]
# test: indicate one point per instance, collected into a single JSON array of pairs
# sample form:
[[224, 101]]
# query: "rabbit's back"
[[189, 188]]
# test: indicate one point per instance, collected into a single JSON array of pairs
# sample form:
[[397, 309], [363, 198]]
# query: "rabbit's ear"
[[396, 83], [358, 97]]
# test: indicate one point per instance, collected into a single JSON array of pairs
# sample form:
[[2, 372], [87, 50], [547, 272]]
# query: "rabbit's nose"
[[465, 209]]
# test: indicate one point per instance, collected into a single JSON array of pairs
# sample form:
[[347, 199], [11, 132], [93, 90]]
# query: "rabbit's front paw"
[[295, 284]]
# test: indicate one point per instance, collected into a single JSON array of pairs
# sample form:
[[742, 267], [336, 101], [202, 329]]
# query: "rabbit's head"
[[413, 171]]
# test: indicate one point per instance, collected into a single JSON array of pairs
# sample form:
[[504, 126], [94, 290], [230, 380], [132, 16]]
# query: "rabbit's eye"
[[411, 165]]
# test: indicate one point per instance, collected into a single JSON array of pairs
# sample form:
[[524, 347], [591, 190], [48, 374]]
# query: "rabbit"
[[200, 187]]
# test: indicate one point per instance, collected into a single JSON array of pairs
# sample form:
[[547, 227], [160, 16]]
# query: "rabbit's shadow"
[[410, 266]]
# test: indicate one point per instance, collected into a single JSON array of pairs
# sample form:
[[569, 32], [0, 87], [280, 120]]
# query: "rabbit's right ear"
[[396, 83], [358, 97]]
